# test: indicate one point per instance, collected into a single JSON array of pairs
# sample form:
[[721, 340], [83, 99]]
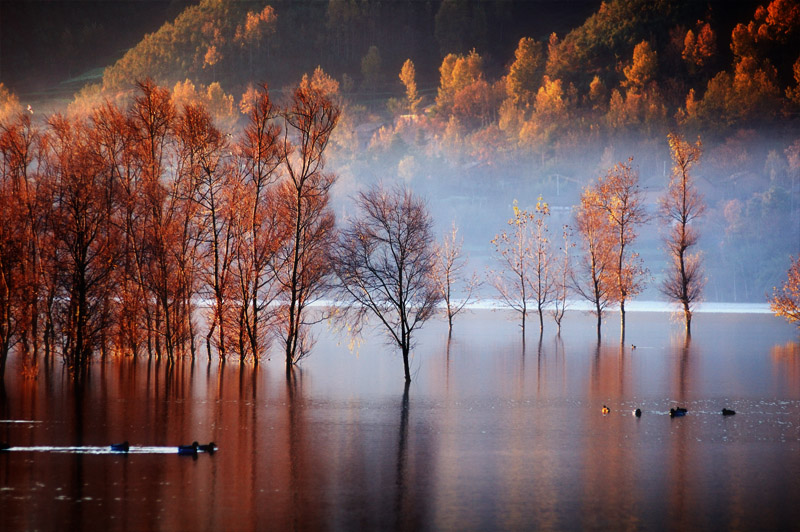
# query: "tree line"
[[148, 230], [144, 230], [122, 229]]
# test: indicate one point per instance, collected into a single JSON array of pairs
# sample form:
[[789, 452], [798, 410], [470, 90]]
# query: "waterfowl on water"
[[605, 410], [727, 412], [637, 412], [188, 449], [677, 412], [633, 346], [207, 448], [120, 447]]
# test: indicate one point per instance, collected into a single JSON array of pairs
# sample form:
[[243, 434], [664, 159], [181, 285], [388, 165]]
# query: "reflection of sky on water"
[[493, 433]]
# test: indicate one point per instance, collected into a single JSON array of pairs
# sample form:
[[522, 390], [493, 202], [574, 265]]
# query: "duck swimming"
[[207, 448], [120, 447], [677, 412], [637, 412], [605, 410], [188, 449], [727, 412]]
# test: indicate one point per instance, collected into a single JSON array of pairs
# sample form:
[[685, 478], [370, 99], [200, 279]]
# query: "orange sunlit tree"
[[301, 265], [680, 207], [786, 301]]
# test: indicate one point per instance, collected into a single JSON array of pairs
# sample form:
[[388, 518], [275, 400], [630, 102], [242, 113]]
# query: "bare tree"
[[301, 267], [622, 202], [386, 263], [525, 255], [562, 276], [592, 278], [681, 205], [450, 264]]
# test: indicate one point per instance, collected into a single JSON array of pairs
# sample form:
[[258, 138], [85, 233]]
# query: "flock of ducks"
[[673, 412], [210, 448]]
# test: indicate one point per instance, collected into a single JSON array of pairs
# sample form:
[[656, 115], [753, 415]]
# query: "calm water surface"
[[491, 435]]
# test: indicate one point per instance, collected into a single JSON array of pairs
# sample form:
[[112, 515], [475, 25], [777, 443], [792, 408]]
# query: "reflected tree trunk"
[[401, 480]]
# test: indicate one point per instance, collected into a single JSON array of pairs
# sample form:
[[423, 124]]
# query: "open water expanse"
[[492, 434]]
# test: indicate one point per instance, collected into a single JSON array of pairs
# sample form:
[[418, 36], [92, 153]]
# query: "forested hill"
[[647, 61]]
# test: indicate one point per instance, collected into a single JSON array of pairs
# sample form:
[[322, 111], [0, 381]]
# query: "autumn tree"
[[699, 48], [86, 243], [450, 264], [257, 28], [524, 254], [643, 68], [592, 279], [621, 201], [386, 264], [204, 152], [408, 77], [12, 244], [113, 143], [786, 301], [9, 104], [259, 153], [302, 265], [680, 207], [25, 209], [525, 73], [153, 120]]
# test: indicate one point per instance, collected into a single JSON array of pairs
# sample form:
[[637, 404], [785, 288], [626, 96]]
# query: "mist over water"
[[492, 433]]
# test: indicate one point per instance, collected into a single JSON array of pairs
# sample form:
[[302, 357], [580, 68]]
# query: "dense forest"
[[473, 105]]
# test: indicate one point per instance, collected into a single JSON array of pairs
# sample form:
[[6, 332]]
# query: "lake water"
[[491, 434]]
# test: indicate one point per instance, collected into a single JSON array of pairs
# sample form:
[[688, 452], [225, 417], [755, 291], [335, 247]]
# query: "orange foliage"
[[786, 301]]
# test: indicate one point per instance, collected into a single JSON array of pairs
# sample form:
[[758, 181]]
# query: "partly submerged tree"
[[256, 228], [561, 279], [450, 264], [592, 278], [385, 264], [681, 205], [302, 265], [525, 257], [786, 301], [621, 201]]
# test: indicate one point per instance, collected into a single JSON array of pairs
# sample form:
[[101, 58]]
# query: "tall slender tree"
[[680, 207], [526, 262], [592, 278], [205, 148], [301, 267], [621, 200], [257, 237], [450, 264], [152, 120]]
